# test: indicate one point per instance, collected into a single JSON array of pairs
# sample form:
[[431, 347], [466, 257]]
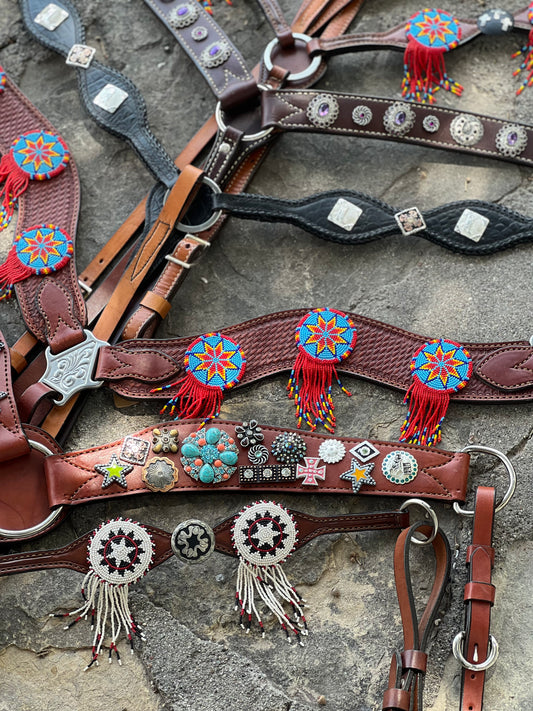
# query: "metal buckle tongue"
[[71, 371]]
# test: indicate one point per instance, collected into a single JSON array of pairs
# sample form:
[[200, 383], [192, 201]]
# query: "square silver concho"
[[410, 221], [110, 98], [345, 214], [472, 225], [80, 55], [51, 17]]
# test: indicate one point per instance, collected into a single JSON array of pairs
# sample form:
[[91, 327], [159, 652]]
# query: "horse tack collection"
[[425, 290]]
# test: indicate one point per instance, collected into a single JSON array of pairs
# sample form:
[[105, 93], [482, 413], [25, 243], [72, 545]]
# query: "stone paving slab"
[[195, 656]]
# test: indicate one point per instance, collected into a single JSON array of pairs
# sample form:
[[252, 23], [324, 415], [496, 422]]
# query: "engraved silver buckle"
[[71, 371], [311, 69]]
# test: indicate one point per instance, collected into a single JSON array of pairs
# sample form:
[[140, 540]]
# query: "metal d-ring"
[[211, 220], [432, 515], [246, 137], [457, 649], [38, 528], [311, 69], [510, 471]]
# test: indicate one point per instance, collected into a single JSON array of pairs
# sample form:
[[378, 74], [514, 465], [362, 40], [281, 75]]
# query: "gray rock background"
[[195, 656]]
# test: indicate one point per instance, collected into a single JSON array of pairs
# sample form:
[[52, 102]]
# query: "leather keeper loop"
[[396, 700], [489, 550], [414, 659], [156, 303], [239, 96], [482, 592]]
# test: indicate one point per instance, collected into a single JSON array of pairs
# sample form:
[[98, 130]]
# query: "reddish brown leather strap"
[[382, 354], [479, 599], [13, 442], [73, 479]]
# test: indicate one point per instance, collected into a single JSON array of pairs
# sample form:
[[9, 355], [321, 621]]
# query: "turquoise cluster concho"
[[209, 455]]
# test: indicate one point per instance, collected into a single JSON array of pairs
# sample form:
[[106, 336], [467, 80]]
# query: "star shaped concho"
[[121, 552], [359, 474], [114, 472], [266, 533]]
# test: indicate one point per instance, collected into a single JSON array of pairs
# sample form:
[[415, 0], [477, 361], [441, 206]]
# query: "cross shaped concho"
[[310, 472]]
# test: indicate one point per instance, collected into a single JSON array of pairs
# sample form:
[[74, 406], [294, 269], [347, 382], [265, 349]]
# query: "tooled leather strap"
[[289, 110], [54, 202], [479, 599], [72, 478], [406, 677], [350, 217], [128, 120], [382, 354], [74, 555]]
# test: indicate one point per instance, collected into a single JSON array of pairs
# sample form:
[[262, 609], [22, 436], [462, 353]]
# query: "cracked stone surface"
[[195, 656]]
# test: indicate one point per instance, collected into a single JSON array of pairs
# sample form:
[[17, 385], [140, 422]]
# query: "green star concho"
[[114, 472], [359, 474]]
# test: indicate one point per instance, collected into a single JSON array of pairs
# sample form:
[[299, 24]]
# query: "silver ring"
[[246, 137], [510, 471], [457, 649], [432, 515], [28, 532], [311, 69], [211, 220]]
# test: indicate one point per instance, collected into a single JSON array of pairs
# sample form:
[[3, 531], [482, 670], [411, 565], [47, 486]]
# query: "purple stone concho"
[[431, 124], [323, 110], [183, 16], [399, 119], [511, 140], [216, 54]]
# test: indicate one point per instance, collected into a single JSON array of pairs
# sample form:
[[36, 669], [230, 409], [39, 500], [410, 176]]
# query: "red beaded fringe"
[[11, 272], [310, 387], [193, 399], [16, 182], [425, 73], [427, 409]]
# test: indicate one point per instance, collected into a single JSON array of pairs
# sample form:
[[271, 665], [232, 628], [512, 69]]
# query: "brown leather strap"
[[382, 354], [74, 556], [13, 442], [479, 599], [73, 479]]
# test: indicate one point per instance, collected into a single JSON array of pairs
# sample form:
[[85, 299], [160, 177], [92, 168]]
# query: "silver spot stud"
[[110, 98], [345, 214], [51, 17], [216, 54], [472, 225], [511, 140], [323, 110], [466, 130], [362, 115], [183, 16], [431, 124], [399, 119]]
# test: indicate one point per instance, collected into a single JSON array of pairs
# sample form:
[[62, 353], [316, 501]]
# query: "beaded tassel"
[[208, 5], [527, 63]]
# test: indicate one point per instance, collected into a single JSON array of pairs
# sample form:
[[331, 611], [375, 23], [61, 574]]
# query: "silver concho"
[[258, 454], [466, 130], [400, 467], [192, 541], [511, 140], [216, 54], [345, 214], [183, 16], [431, 124], [399, 119], [51, 17], [471, 225], [110, 98], [199, 33], [323, 110], [362, 115]]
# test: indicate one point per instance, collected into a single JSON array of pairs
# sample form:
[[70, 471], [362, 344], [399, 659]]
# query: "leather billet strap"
[[74, 555], [502, 372], [128, 120], [475, 643], [501, 228], [406, 677], [72, 478], [54, 202], [288, 110]]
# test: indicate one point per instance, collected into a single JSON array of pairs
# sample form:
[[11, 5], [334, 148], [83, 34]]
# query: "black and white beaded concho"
[[264, 534], [120, 552]]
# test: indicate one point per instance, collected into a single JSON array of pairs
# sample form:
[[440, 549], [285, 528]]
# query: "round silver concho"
[[192, 541], [183, 16], [511, 140], [362, 115], [216, 54], [466, 130], [258, 454], [399, 119], [431, 124], [199, 33], [399, 467], [323, 110]]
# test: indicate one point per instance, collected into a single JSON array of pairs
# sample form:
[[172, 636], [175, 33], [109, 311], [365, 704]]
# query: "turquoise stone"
[[212, 435], [228, 457], [189, 449], [207, 474]]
